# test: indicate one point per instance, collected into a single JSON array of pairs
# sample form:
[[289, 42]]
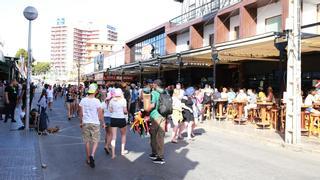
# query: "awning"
[[257, 48]]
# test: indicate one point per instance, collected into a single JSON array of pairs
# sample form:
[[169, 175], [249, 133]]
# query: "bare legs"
[[123, 132], [91, 153], [68, 110], [190, 127], [50, 105]]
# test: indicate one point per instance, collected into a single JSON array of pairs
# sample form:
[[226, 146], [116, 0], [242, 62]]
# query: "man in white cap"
[[91, 117]]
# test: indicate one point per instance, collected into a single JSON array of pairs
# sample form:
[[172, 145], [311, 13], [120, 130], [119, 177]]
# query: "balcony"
[[198, 12], [226, 3], [201, 11]]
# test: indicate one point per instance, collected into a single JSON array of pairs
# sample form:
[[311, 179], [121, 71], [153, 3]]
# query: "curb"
[[268, 141]]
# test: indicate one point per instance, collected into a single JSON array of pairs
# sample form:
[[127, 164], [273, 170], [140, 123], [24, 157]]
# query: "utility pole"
[[293, 99]]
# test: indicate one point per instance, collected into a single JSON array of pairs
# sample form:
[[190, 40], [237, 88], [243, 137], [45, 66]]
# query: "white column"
[[293, 112]]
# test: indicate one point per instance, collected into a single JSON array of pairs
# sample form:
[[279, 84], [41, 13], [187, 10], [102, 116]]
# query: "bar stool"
[[231, 112], [308, 119], [274, 118], [256, 114], [313, 119], [283, 118], [251, 115]]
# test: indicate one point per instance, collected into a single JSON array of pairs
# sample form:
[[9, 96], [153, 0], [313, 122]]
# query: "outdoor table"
[[263, 113], [220, 103], [240, 105]]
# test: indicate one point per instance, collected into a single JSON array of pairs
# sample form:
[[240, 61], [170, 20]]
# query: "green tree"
[[41, 68], [23, 53]]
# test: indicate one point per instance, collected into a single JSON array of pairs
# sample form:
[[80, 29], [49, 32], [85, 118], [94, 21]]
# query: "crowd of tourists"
[[13, 102], [115, 105]]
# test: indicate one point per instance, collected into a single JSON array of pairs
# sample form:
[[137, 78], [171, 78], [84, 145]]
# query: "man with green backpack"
[[161, 105]]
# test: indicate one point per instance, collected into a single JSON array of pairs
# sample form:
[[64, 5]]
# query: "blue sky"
[[131, 17]]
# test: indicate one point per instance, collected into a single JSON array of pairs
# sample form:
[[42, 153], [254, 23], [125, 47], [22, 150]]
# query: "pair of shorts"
[[118, 122], [107, 121], [91, 133], [50, 99], [187, 116], [176, 117]]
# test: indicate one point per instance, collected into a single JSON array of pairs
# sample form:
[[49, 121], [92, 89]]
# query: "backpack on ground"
[[165, 104]]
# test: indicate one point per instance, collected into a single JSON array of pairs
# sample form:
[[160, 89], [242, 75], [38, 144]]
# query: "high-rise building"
[[72, 45], [61, 52], [112, 34]]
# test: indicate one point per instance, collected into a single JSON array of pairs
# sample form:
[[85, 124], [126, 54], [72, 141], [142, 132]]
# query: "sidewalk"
[[266, 136], [19, 154]]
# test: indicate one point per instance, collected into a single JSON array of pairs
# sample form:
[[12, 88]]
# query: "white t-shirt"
[[117, 106], [90, 107], [309, 100], [106, 110], [224, 95], [50, 93]]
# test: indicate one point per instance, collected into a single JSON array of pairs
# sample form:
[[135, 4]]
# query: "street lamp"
[[215, 59], [30, 13]]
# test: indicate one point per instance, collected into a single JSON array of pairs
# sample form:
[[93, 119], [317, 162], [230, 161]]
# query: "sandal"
[[174, 141], [107, 150], [124, 152]]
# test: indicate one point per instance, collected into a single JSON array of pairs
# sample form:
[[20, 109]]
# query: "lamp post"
[[30, 13], [215, 59]]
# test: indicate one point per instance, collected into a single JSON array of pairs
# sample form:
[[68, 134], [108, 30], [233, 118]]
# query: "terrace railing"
[[212, 6]]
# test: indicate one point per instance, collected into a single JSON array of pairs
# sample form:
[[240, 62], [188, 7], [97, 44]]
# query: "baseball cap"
[[92, 88]]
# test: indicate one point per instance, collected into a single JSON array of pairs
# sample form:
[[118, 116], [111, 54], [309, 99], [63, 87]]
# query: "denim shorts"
[[107, 120]]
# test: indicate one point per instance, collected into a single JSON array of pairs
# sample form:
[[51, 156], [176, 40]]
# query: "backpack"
[[165, 104]]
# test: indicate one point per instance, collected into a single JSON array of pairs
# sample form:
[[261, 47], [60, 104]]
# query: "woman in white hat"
[[118, 110]]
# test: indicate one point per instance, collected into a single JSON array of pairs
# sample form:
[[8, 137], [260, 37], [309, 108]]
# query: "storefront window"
[[158, 43]]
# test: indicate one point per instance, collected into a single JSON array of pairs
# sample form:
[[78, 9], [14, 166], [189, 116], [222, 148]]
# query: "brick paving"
[[20, 156]]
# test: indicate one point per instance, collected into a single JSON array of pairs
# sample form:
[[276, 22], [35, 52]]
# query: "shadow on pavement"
[[64, 155]]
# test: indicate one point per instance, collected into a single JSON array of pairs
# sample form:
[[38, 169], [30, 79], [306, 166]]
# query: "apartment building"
[[77, 44], [112, 34], [243, 32], [61, 49]]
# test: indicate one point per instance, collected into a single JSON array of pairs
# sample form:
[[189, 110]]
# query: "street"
[[213, 155]]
